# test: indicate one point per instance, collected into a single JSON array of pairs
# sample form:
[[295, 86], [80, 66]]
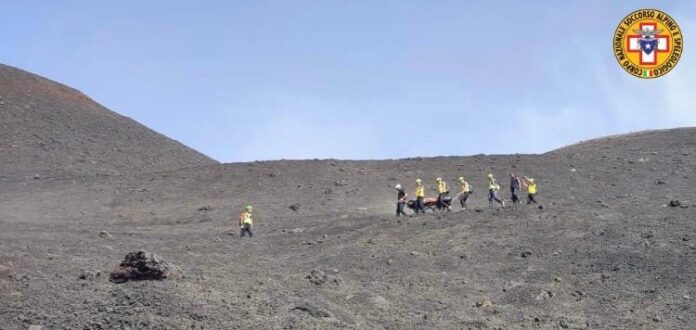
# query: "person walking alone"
[[246, 221]]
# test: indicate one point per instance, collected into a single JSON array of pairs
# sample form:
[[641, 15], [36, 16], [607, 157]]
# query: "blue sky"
[[250, 80]]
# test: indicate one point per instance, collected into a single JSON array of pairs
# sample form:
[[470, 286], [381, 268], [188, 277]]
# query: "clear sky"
[[249, 80]]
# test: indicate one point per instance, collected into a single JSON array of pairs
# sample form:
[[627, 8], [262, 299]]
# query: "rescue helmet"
[[438, 179], [398, 187], [461, 178], [249, 208], [418, 181], [490, 175]]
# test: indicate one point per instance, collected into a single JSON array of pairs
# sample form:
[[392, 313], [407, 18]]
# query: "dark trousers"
[[493, 196], [440, 200], [530, 199], [246, 229], [420, 206], [462, 199], [515, 198], [400, 208]]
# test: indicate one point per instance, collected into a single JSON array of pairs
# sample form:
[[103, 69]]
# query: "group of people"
[[246, 218], [516, 184]]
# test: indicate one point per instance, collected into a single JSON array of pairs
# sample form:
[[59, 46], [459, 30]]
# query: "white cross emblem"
[[633, 41]]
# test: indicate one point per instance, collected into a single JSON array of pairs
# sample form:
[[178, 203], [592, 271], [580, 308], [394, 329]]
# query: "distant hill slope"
[[50, 129], [650, 140]]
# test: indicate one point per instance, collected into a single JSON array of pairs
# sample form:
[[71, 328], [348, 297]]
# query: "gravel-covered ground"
[[605, 251]]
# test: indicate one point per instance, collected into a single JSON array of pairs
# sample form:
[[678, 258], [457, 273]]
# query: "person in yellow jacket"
[[246, 221], [442, 192], [420, 195], [465, 191], [493, 189], [531, 189]]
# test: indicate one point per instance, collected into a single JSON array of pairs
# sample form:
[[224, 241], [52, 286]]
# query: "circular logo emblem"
[[648, 43]]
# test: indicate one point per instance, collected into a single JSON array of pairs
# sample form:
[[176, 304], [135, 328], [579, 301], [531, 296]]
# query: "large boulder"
[[141, 266]]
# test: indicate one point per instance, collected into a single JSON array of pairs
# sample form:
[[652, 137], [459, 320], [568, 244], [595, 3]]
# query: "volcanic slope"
[[605, 251], [52, 130]]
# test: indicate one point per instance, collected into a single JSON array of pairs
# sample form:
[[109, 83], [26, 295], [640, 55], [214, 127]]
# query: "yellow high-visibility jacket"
[[492, 185], [246, 218], [532, 188], [420, 191], [441, 187], [464, 186]]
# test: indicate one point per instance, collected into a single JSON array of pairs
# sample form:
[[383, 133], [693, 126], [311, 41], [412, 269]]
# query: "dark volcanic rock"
[[89, 275], [318, 277], [141, 266], [483, 303], [312, 310], [545, 295]]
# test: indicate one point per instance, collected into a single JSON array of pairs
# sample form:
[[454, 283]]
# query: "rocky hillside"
[[612, 247], [48, 129]]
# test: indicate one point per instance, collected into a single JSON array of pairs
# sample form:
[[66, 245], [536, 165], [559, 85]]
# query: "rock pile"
[[141, 266]]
